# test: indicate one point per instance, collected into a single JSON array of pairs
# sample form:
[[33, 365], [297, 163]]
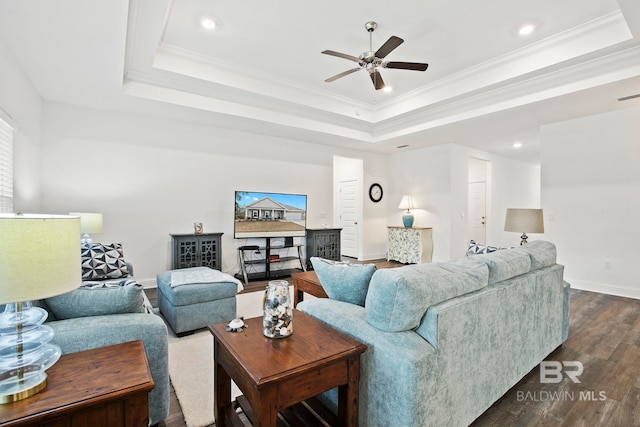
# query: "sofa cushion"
[[505, 264], [542, 253], [97, 301], [398, 298], [103, 261], [344, 281]]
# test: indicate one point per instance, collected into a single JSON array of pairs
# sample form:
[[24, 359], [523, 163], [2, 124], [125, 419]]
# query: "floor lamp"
[[39, 258]]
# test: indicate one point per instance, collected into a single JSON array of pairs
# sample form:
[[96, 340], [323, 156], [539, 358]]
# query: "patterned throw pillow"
[[103, 261], [475, 249]]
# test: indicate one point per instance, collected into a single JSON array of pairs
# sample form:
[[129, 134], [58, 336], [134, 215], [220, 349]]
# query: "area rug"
[[191, 366], [191, 373]]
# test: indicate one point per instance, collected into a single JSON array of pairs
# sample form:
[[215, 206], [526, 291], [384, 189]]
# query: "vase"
[[277, 321]]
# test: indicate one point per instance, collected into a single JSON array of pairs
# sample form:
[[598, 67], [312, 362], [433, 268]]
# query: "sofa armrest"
[[84, 333], [397, 371]]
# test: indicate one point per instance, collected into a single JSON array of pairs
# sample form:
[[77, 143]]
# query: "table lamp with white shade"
[[39, 258], [407, 203], [90, 223], [524, 221]]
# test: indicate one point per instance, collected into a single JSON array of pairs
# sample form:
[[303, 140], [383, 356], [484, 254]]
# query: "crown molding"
[[591, 72], [551, 67], [196, 65], [600, 33]]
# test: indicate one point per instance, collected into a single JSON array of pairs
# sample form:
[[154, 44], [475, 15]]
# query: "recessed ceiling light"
[[526, 29], [387, 89], [208, 23], [517, 144]]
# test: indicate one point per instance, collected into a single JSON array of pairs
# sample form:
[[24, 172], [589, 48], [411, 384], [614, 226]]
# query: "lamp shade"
[[39, 256], [90, 223], [406, 202], [524, 221]]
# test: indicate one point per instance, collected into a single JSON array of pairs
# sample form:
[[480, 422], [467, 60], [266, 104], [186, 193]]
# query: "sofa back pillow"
[[103, 261], [505, 264], [542, 253], [344, 281], [398, 298], [97, 301]]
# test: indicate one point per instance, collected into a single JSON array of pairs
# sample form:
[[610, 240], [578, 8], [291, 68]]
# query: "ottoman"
[[198, 297]]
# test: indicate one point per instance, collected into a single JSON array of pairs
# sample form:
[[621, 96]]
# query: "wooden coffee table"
[[106, 386], [306, 282], [277, 374]]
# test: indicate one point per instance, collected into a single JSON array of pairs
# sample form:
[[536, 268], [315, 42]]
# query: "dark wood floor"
[[604, 336]]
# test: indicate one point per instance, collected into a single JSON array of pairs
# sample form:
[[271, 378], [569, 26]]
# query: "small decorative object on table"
[[278, 310], [236, 325], [197, 228]]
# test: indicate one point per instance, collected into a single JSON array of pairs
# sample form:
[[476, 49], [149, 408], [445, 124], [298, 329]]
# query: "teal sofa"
[[446, 340]]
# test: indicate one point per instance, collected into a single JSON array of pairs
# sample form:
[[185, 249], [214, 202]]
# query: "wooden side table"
[[276, 374], [106, 386], [306, 282]]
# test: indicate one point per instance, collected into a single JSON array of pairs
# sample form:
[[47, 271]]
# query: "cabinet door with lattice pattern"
[[209, 252]]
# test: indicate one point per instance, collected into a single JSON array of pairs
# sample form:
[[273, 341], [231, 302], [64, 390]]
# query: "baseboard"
[[605, 289], [148, 283], [371, 257]]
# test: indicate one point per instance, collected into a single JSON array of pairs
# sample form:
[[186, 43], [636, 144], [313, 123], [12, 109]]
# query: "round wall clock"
[[375, 192]]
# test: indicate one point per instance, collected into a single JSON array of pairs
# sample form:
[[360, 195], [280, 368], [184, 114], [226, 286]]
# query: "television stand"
[[269, 256]]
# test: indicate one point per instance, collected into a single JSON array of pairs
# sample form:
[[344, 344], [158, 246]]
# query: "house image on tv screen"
[[267, 209], [270, 215]]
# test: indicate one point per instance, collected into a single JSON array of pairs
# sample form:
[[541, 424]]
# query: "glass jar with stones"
[[278, 310]]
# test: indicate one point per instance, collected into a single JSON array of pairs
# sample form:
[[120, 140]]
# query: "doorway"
[[478, 174], [347, 197], [349, 218], [477, 212]]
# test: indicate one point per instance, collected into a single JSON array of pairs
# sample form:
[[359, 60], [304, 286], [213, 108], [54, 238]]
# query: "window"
[[6, 167]]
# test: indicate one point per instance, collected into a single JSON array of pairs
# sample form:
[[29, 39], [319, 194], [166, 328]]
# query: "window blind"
[[6, 167]]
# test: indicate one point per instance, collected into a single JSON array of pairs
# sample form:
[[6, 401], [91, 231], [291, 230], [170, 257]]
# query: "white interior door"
[[349, 212], [478, 212]]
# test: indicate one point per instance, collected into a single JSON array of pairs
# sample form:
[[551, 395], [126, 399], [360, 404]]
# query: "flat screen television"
[[260, 214]]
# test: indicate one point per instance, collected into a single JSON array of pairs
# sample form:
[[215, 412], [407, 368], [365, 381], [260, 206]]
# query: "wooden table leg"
[[222, 389], [297, 297], [265, 410], [348, 395]]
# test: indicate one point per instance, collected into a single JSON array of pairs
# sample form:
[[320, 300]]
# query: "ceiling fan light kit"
[[371, 60]]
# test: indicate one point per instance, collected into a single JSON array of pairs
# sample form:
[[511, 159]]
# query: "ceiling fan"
[[371, 60]]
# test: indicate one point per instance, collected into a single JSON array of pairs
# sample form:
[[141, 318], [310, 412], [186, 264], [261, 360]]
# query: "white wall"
[[23, 106], [591, 190], [152, 177], [437, 177]]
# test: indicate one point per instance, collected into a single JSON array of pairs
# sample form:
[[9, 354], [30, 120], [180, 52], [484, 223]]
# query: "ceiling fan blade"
[[342, 55], [388, 46], [417, 66], [344, 73], [376, 78]]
